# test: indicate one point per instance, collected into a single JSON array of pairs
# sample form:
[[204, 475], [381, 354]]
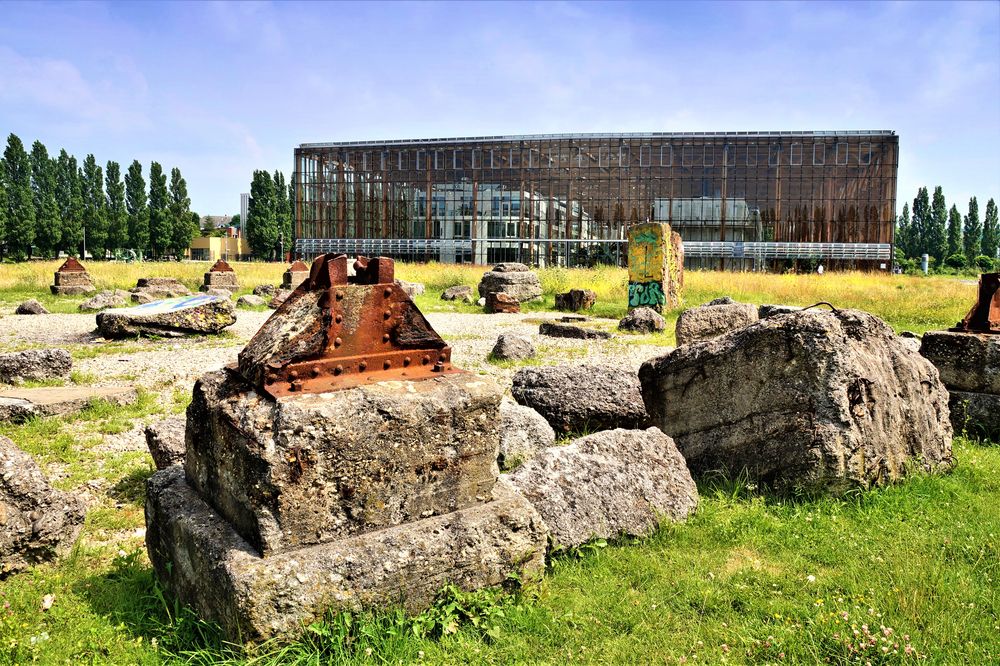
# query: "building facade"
[[746, 200]]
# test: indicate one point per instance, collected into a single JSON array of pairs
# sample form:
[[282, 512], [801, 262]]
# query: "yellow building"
[[213, 248]]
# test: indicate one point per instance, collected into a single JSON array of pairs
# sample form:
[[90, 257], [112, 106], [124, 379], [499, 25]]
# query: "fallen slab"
[[22, 404], [557, 330], [172, 317], [34, 364]]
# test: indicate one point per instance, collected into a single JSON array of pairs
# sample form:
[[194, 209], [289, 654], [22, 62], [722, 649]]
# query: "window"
[[729, 154], [795, 158], [709, 155], [457, 160], [774, 154], [865, 156], [438, 160], [515, 157], [384, 160], [477, 158], [420, 159], [819, 154], [604, 156], [579, 157], [492, 163], [404, 160], [841, 153], [666, 155], [365, 159], [752, 154], [624, 156], [644, 153], [687, 155]]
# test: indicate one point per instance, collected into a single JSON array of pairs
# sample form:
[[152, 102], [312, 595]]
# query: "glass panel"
[[819, 154], [795, 158]]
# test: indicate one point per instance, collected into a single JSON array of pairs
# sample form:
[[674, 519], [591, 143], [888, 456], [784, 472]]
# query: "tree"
[[904, 240], [48, 224], [95, 220], [3, 204], [973, 232], [20, 229], [69, 195], [283, 212], [181, 228], [921, 222], [136, 208], [234, 221], [954, 231], [937, 236], [160, 235], [262, 222], [991, 231], [117, 214]]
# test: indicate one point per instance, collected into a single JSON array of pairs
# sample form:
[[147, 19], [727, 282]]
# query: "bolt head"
[[362, 365], [387, 365], [338, 370]]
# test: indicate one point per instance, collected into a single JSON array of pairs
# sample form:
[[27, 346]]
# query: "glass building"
[[745, 200]]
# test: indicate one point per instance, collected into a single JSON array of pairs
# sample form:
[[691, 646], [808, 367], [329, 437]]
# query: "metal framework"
[[568, 199]]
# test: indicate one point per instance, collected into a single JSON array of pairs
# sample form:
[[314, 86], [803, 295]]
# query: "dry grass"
[[908, 303]]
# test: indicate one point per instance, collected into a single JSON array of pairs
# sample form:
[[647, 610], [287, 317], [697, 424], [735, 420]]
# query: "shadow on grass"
[[132, 486]]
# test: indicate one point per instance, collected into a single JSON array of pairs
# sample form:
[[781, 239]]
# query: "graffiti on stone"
[[645, 294]]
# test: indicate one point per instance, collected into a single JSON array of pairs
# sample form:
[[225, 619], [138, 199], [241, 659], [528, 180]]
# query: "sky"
[[222, 89]]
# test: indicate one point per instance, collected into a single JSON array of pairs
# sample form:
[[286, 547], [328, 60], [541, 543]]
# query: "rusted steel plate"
[[71, 265], [984, 317], [334, 332], [221, 267]]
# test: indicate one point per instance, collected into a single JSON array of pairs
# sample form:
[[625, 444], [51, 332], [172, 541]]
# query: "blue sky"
[[221, 89]]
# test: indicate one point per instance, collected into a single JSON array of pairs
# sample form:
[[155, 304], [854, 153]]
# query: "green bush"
[[956, 261], [985, 264]]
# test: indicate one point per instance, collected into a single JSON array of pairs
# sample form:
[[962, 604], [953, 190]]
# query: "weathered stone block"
[[523, 433], [172, 317], [557, 330], [814, 398], [220, 280], [501, 303], [35, 364], [575, 300], [513, 279], [712, 320], [317, 467], [966, 361], [203, 561], [976, 414], [642, 320], [607, 484], [655, 266]]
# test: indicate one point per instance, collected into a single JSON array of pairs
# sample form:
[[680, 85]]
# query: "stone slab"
[[975, 414], [21, 404], [966, 361], [171, 317], [205, 563], [313, 468]]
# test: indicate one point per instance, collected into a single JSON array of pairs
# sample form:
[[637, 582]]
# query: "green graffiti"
[[645, 237], [649, 294]]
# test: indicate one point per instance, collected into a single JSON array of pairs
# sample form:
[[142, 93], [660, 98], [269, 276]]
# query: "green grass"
[[750, 579]]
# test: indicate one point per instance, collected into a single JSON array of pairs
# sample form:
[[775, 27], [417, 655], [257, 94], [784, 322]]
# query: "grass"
[[752, 578]]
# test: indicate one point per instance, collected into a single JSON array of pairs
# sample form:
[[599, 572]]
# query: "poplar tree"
[[3, 204], [954, 231], [973, 232], [137, 209], [20, 232], [117, 215], [920, 222], [283, 212], [95, 220], [181, 229], [904, 241], [159, 219], [991, 232], [262, 221], [69, 194], [48, 224], [937, 235]]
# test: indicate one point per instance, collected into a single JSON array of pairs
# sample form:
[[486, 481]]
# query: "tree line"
[[268, 225], [949, 238], [50, 205]]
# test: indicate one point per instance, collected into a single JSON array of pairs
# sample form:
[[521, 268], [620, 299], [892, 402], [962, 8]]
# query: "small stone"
[[557, 330], [575, 300], [642, 320], [250, 301], [501, 303], [510, 347], [456, 293], [147, 290], [31, 307]]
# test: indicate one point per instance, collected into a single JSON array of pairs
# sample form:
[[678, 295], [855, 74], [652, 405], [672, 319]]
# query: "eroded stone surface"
[[314, 468], [37, 522], [642, 320], [607, 484], [250, 301], [147, 290], [457, 293], [513, 279], [770, 310], [501, 303], [975, 414], [165, 441], [202, 560], [575, 300], [510, 347], [713, 319], [523, 433], [967, 361], [34, 365], [106, 299], [583, 398], [813, 398], [171, 317]]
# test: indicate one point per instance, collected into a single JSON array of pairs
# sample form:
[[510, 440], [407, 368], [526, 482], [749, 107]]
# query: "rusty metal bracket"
[[984, 317], [336, 331]]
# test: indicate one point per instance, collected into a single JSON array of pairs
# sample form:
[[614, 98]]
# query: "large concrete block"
[[205, 563], [312, 468], [966, 361], [976, 414]]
